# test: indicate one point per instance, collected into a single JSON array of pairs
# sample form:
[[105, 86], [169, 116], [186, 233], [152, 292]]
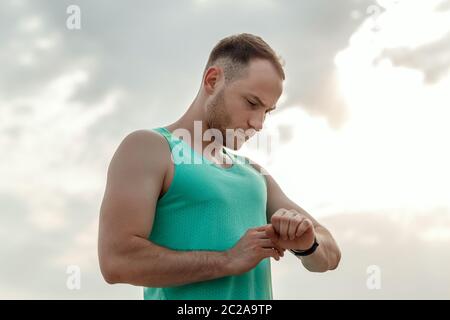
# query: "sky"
[[361, 126]]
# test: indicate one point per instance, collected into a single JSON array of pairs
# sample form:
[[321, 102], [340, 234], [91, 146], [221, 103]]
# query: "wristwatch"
[[307, 252]]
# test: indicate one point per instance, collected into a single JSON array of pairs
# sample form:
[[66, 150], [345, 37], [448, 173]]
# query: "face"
[[244, 103]]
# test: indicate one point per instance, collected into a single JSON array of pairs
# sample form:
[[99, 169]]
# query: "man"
[[189, 224]]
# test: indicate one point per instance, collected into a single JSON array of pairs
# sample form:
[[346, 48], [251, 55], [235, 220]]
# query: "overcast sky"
[[363, 127]]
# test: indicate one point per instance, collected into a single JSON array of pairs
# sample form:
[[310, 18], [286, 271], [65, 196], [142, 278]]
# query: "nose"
[[256, 122]]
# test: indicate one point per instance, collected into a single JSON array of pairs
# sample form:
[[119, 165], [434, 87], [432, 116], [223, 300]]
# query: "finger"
[[284, 225], [295, 221], [272, 234], [262, 234], [305, 225], [271, 253], [267, 243], [261, 228], [278, 254], [276, 219]]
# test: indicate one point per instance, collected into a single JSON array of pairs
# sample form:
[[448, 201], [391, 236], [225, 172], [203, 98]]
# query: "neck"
[[194, 121]]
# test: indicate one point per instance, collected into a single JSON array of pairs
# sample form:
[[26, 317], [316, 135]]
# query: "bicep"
[[134, 181]]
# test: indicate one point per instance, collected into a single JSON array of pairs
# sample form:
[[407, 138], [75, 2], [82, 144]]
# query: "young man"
[[186, 219]]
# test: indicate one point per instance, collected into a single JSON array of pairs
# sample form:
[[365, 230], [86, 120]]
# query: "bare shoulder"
[[142, 150], [135, 177], [145, 141]]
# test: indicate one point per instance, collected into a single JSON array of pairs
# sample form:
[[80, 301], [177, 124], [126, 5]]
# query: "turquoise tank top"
[[208, 207]]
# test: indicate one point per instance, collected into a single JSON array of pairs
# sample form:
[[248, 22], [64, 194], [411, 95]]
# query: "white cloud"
[[390, 154], [31, 24], [392, 151], [436, 234], [83, 250], [412, 23], [50, 135]]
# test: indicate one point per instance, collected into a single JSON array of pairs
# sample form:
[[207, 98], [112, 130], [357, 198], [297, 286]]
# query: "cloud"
[[67, 98], [432, 59], [443, 6], [146, 66], [413, 43]]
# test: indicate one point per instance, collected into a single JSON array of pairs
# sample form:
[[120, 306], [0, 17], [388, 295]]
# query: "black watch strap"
[[302, 253]]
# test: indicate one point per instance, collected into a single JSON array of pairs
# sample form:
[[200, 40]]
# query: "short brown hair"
[[236, 51]]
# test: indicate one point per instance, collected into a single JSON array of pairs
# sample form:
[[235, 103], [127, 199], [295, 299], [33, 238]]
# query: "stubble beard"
[[217, 116]]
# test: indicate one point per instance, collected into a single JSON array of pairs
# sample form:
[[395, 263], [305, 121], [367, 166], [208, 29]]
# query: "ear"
[[212, 77]]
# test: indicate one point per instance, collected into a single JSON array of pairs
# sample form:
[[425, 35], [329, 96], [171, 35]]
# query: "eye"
[[251, 103]]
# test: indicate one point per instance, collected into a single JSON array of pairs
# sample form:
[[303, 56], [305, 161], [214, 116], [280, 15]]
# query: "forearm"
[[150, 265], [327, 255]]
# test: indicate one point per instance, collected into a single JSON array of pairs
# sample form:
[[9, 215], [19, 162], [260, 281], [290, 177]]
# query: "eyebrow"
[[261, 103]]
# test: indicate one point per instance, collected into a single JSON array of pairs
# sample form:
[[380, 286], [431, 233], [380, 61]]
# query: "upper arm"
[[277, 199], [134, 180]]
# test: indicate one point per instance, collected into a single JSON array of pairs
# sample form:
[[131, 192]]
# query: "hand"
[[254, 246], [290, 229]]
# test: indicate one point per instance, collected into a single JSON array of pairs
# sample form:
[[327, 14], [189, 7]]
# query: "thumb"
[[270, 232]]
